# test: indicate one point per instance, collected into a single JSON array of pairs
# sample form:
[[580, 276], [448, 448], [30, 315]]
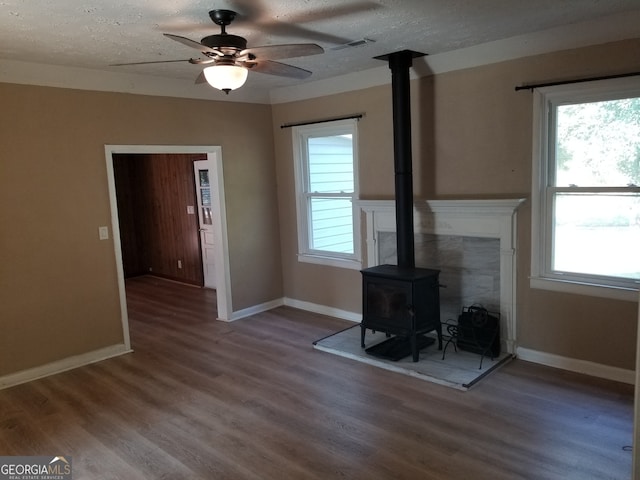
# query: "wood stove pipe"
[[400, 63]]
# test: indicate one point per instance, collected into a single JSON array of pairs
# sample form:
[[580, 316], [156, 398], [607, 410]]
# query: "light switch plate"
[[103, 233], [191, 210]]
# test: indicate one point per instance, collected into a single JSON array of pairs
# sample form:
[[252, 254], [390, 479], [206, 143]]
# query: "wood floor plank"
[[252, 399]]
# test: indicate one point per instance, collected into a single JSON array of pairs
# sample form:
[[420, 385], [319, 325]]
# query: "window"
[[586, 188], [325, 158]]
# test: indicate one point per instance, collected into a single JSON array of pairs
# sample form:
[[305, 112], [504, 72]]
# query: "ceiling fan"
[[229, 60]]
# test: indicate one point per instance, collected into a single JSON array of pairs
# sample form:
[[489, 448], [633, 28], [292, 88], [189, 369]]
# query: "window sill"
[[331, 261], [592, 290]]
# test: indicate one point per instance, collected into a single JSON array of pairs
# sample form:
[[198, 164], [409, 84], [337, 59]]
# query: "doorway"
[[218, 215]]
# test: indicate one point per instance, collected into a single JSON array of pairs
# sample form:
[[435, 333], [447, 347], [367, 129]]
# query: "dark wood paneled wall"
[[153, 192]]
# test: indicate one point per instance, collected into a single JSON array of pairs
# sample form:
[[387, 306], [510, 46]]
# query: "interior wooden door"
[[202, 169]]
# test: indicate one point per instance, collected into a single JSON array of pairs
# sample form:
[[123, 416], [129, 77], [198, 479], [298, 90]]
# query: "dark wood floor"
[[203, 399]]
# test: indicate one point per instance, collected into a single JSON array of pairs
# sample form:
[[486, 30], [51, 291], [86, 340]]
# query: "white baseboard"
[[323, 310], [290, 302], [578, 366], [63, 365], [247, 312]]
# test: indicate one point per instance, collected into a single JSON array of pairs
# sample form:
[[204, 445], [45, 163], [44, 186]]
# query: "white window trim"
[[544, 98], [305, 254]]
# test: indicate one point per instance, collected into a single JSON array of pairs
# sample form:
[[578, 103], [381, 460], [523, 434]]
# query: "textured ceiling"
[[96, 33]]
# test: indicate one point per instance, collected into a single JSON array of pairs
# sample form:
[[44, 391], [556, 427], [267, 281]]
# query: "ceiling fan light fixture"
[[226, 77]]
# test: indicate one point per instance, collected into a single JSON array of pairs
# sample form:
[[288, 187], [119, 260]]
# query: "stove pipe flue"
[[400, 63]]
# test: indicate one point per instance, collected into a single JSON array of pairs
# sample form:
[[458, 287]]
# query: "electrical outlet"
[[179, 263]]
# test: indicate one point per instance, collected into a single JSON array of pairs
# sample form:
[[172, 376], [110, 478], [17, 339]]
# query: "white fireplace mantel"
[[468, 218]]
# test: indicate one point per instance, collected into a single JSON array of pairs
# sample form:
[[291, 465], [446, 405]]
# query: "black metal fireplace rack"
[[477, 331]]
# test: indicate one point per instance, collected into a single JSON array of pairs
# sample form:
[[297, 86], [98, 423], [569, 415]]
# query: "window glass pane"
[[332, 225], [597, 234], [598, 144], [204, 177], [206, 216], [205, 196], [330, 164]]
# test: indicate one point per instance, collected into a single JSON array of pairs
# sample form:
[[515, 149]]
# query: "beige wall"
[[58, 286], [471, 138]]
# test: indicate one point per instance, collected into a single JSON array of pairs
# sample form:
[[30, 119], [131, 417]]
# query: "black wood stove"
[[401, 300], [404, 302]]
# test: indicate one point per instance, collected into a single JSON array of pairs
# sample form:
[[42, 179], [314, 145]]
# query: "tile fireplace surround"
[[472, 242]]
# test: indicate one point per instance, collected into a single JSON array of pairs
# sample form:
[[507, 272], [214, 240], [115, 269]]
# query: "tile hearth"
[[457, 370]]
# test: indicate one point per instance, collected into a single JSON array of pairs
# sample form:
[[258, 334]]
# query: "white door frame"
[[214, 154]]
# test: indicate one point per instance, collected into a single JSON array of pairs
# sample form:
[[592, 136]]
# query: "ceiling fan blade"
[[284, 29], [193, 61], [334, 11], [149, 63], [256, 13], [280, 69], [193, 44], [275, 52]]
